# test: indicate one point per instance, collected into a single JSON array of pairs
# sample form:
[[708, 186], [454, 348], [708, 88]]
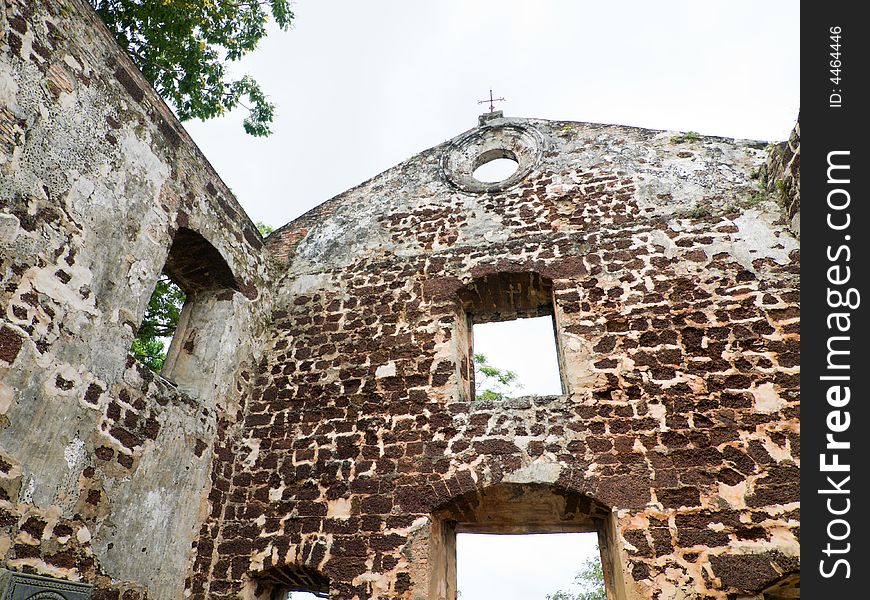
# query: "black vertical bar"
[[834, 301]]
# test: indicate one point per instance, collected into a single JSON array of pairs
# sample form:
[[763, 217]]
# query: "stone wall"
[[674, 289], [105, 467], [781, 177], [316, 428]]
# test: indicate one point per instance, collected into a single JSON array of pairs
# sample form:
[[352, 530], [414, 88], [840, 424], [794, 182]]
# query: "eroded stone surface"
[[105, 466], [320, 432]]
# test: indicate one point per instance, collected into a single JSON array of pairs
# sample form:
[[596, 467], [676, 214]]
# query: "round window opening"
[[498, 169], [493, 157], [495, 165]]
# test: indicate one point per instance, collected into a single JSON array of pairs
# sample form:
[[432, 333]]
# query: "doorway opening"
[[511, 527], [560, 566]]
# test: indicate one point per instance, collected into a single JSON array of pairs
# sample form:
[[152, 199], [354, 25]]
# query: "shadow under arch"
[[276, 582], [519, 508], [196, 266], [523, 508], [506, 295], [199, 269]]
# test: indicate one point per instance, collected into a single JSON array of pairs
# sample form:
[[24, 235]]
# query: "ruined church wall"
[[675, 289], [105, 468], [675, 294]]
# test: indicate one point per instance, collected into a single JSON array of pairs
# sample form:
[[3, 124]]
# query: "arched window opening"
[[533, 565], [296, 582], [190, 304]]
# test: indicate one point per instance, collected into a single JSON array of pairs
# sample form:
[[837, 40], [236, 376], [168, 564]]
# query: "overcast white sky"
[[362, 85], [534, 360]]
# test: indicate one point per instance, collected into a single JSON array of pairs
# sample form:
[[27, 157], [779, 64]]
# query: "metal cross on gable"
[[491, 100]]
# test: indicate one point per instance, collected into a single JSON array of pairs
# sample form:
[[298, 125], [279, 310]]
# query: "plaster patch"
[[6, 397], [46, 282], [137, 275], [766, 399], [10, 227], [659, 413], [339, 509], [276, 493], [387, 370], [300, 285], [785, 541], [74, 453], [8, 86], [254, 445], [777, 453], [734, 495], [27, 490], [83, 535], [758, 237], [537, 472], [72, 63], [142, 159]]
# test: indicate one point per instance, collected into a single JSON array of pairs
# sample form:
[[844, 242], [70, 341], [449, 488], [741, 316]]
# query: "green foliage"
[[264, 229], [492, 383], [698, 212], [755, 199], [183, 47], [685, 137], [160, 321], [149, 352], [590, 580]]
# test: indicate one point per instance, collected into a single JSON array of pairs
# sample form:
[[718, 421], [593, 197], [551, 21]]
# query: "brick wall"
[[675, 296]]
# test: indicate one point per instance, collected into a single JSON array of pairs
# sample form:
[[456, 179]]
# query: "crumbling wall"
[[781, 177], [105, 467], [345, 459], [675, 294]]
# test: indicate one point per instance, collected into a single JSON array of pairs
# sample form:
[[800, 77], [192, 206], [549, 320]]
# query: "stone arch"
[[505, 295], [519, 508], [276, 582], [199, 269], [196, 265]]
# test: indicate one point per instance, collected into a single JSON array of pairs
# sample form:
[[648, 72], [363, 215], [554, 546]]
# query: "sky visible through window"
[[525, 346], [496, 170], [519, 567]]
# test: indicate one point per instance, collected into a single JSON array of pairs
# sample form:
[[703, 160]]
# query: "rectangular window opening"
[[516, 358], [159, 325], [559, 566]]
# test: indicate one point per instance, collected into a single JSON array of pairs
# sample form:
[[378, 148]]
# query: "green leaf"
[[183, 46], [492, 383], [160, 321], [265, 230], [149, 352], [590, 580]]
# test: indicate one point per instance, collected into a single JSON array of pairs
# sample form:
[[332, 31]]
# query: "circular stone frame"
[[515, 141]]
